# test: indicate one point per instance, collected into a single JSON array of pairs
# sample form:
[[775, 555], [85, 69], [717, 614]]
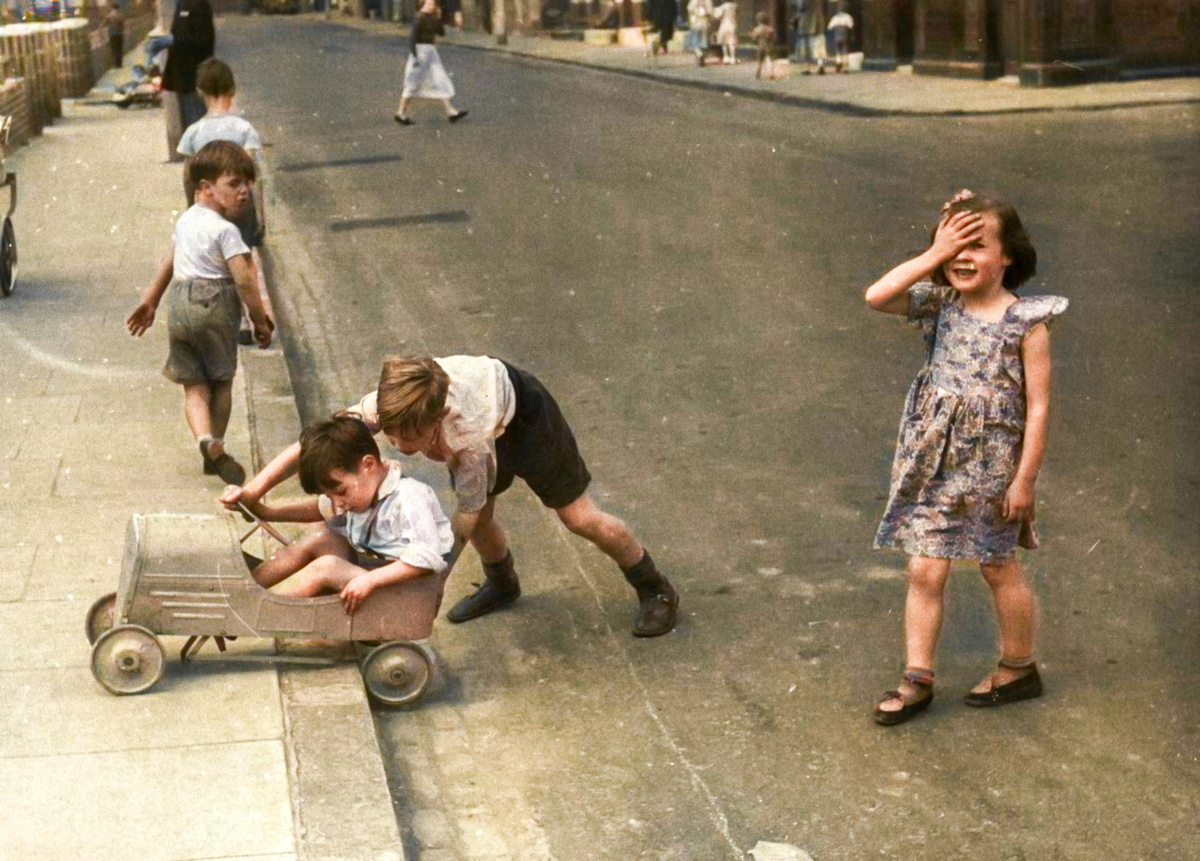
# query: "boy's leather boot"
[[500, 586], [658, 602]]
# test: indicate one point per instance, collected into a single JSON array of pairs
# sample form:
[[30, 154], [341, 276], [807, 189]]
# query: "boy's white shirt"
[[219, 126], [203, 241], [406, 522], [481, 403], [841, 19]]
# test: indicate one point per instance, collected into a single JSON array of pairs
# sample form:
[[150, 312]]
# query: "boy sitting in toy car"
[[379, 528]]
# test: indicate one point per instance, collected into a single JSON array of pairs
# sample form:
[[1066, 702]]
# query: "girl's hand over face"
[[955, 232], [1018, 501]]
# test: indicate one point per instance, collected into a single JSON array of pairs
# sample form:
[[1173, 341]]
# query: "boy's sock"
[[658, 602], [500, 587]]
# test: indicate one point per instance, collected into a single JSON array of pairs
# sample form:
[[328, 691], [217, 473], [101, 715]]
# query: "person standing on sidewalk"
[[114, 22], [490, 423], [700, 13], [424, 75], [193, 41], [726, 14], [810, 35], [208, 269]]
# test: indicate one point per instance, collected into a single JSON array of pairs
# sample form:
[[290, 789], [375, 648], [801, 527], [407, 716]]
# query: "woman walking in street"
[[424, 75]]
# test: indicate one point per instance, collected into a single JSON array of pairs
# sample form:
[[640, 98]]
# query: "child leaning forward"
[[971, 440], [379, 527]]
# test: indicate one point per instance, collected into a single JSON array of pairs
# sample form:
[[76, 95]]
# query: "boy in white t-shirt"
[[839, 28], [379, 528], [208, 269]]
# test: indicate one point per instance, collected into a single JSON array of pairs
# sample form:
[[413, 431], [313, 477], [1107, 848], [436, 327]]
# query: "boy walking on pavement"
[[208, 269], [490, 423]]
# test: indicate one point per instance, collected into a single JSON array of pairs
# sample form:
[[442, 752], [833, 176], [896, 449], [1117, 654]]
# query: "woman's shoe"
[[457, 115], [403, 120], [911, 708], [1026, 687]]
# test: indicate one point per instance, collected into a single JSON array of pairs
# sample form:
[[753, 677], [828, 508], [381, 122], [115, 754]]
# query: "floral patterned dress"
[[961, 433]]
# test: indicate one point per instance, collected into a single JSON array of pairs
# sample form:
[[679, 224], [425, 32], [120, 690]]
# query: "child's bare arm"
[[1035, 356], [357, 590], [305, 510], [890, 293], [282, 467], [245, 280], [142, 317]]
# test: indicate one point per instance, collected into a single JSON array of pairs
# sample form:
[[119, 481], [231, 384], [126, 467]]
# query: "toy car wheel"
[[8, 258], [128, 659], [101, 616], [397, 673]]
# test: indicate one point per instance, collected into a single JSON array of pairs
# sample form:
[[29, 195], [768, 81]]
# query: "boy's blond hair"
[[412, 394]]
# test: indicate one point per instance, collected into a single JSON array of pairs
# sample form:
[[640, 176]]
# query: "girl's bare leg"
[[1016, 615], [404, 103], [449, 108], [924, 606]]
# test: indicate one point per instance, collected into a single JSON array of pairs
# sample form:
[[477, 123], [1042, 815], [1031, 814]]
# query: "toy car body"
[[186, 575]]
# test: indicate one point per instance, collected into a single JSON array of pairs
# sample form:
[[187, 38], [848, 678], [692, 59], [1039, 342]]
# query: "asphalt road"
[[685, 270]]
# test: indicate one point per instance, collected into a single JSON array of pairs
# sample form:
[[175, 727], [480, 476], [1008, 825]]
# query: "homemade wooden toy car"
[[187, 575]]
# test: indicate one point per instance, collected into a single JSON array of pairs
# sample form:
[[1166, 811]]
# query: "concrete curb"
[[341, 805]]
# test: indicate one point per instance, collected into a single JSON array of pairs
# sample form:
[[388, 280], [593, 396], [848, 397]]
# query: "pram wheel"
[[128, 659], [396, 673], [8, 258]]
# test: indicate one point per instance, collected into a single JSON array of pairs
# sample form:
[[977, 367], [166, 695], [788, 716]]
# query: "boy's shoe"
[[499, 588], [226, 467], [1026, 687], [658, 603], [457, 115], [657, 612]]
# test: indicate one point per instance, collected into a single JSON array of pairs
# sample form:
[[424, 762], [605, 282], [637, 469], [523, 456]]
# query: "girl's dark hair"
[[340, 442], [1014, 240], [214, 78], [217, 158]]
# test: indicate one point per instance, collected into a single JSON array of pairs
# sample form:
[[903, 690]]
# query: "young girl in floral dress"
[[971, 440]]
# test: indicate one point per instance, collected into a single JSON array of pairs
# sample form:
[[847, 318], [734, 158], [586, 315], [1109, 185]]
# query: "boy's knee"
[[1006, 573]]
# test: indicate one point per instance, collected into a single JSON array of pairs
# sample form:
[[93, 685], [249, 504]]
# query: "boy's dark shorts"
[[202, 331], [539, 447]]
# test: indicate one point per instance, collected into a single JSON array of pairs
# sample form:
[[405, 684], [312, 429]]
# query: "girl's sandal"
[[923, 682], [1024, 687]]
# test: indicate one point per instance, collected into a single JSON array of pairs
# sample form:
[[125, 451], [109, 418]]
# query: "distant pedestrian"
[[972, 438], [114, 22], [208, 269], [700, 16], [839, 29], [763, 35], [726, 15], [662, 16], [193, 40], [810, 35], [424, 75]]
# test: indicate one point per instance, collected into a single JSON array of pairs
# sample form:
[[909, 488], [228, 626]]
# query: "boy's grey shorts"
[[202, 331]]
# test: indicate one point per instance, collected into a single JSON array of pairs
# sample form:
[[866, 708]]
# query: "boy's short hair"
[[1017, 245], [214, 78], [412, 394], [217, 158], [340, 442]]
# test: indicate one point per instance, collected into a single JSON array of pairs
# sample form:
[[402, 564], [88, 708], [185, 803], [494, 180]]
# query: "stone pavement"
[[218, 760], [858, 93]]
